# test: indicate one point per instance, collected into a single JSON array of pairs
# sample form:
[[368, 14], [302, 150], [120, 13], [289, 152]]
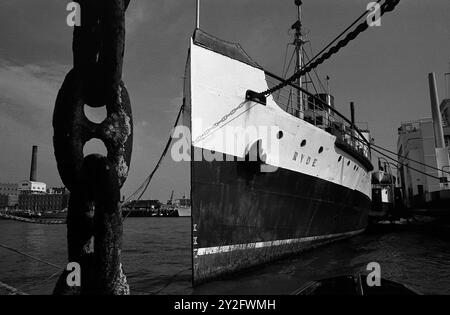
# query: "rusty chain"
[[94, 220], [224, 118]]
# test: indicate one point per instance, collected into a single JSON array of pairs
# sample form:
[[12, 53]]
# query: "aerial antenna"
[[197, 25]]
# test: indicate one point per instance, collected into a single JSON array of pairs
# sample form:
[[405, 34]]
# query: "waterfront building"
[[3, 201], [58, 190], [32, 187], [8, 189], [146, 205], [8, 195], [43, 202], [426, 141]]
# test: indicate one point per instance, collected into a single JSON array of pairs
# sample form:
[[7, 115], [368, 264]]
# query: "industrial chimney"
[[447, 84], [445, 105], [442, 157], [33, 170]]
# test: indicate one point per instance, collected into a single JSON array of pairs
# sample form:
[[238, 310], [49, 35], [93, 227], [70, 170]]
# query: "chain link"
[[207, 132], [94, 219]]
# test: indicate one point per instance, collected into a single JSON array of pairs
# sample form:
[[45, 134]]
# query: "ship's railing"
[[320, 112]]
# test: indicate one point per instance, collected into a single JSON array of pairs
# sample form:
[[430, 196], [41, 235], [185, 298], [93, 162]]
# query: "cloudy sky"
[[384, 71]]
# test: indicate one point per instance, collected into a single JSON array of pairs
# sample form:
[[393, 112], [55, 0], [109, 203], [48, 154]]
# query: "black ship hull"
[[305, 185], [243, 217]]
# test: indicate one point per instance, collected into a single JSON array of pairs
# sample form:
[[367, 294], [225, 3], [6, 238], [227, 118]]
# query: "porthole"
[[279, 134], [320, 150], [303, 143], [348, 163], [340, 158]]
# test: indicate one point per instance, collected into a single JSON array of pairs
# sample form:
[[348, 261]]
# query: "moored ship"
[[268, 177]]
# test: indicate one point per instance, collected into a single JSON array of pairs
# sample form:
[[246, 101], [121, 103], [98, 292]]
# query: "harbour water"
[[156, 258]]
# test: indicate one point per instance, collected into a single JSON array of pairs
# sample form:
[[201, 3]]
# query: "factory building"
[[426, 141], [43, 202], [9, 195], [32, 194], [29, 187], [8, 189], [3, 201]]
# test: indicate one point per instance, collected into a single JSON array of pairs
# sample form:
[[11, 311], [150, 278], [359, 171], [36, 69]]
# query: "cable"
[[401, 156], [387, 156], [412, 160], [34, 286], [309, 75], [315, 71], [410, 167], [170, 281], [387, 6], [14, 291], [285, 70], [29, 256]]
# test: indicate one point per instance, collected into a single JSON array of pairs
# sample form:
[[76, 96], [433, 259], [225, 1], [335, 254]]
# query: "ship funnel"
[[352, 112], [33, 170]]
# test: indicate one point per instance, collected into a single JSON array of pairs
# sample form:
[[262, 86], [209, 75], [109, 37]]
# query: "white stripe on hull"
[[230, 248]]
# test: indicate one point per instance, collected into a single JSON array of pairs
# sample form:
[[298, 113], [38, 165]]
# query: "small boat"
[[184, 211], [353, 285]]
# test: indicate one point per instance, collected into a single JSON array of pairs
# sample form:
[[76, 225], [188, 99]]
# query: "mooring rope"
[[14, 291], [144, 186], [30, 256], [170, 281]]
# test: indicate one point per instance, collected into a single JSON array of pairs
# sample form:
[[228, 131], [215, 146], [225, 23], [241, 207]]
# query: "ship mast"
[[197, 16], [298, 43]]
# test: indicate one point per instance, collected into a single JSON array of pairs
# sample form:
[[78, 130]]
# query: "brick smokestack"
[[33, 170]]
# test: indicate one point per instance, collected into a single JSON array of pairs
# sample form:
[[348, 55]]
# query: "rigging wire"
[[309, 74], [387, 6], [315, 70], [410, 167], [412, 160], [372, 145], [285, 70]]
